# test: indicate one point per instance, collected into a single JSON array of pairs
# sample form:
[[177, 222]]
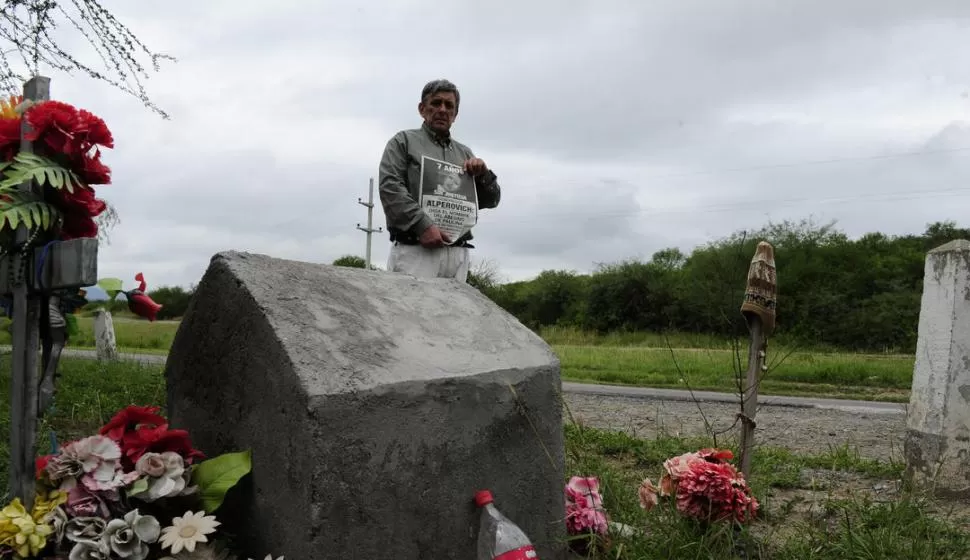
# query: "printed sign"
[[448, 197]]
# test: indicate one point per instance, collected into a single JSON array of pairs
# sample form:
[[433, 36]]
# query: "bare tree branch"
[[26, 26]]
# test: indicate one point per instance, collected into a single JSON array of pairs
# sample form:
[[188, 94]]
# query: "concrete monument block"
[[937, 446], [375, 405]]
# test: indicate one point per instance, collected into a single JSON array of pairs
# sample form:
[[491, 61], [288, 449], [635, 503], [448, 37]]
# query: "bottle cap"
[[483, 498]]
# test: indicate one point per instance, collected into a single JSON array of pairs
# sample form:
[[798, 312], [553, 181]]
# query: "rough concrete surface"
[[938, 426], [375, 404]]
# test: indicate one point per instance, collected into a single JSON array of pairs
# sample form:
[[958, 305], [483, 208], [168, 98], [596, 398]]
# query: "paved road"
[[861, 407], [645, 393]]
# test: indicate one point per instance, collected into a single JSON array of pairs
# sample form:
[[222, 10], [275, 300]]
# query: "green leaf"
[[111, 286], [32, 167], [139, 486], [216, 476], [18, 208]]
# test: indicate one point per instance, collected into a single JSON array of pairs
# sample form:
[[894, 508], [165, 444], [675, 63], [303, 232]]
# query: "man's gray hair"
[[438, 86]]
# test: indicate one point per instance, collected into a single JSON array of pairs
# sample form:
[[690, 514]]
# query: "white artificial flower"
[[188, 530]]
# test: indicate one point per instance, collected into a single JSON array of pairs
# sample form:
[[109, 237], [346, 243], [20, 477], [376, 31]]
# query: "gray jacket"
[[400, 174]]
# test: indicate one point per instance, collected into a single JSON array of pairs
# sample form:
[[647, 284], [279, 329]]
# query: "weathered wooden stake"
[[758, 308], [749, 406], [26, 341]]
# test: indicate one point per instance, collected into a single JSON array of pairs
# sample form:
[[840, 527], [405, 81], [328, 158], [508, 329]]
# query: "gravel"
[[802, 430]]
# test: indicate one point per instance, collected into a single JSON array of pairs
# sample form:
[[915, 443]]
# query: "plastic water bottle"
[[498, 537]]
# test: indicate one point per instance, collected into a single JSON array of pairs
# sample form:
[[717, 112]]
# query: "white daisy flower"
[[186, 531]]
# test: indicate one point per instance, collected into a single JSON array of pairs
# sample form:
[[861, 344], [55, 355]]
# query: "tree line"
[[857, 294]]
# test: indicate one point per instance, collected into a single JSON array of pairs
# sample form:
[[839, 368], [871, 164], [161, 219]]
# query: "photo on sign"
[[448, 197]]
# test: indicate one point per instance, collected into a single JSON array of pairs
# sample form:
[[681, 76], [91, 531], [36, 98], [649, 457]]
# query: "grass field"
[[132, 334], [643, 359]]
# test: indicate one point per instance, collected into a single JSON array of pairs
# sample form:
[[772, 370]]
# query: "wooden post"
[[758, 308], [26, 341], [749, 400]]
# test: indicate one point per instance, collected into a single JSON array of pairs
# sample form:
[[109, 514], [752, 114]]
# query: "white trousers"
[[446, 262]]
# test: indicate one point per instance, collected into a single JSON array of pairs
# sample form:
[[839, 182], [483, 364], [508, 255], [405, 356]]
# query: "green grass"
[[132, 334], [865, 376], [840, 525], [89, 393], [641, 359]]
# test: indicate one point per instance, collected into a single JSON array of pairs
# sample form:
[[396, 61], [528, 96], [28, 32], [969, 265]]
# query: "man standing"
[[431, 188]]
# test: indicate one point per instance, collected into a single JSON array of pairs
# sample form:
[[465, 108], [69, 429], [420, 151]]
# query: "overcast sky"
[[616, 128]]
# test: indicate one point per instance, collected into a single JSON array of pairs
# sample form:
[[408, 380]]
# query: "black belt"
[[410, 239]]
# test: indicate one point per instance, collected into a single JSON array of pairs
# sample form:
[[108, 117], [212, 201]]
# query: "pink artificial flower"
[[715, 491], [677, 466], [82, 502], [584, 506], [94, 457]]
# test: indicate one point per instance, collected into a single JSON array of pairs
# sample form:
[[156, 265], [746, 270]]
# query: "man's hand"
[[475, 166], [434, 238]]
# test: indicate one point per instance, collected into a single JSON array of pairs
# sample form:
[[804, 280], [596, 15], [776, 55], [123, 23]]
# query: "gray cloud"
[[616, 129]]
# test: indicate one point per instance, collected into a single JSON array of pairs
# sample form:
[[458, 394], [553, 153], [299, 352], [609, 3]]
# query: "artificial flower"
[[166, 476], [139, 302], [715, 491], [9, 138], [78, 210], [8, 107], [648, 494], [83, 502], [57, 520], [85, 529], [187, 531], [19, 530], [92, 171], [90, 550], [584, 506], [46, 502], [64, 129], [129, 537], [94, 460], [158, 440], [131, 418]]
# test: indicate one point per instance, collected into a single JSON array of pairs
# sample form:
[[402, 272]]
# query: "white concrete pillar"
[[104, 335], [937, 447]]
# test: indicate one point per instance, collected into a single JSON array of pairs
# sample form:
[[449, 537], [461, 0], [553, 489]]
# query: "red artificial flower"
[[9, 138], [52, 121], [140, 429], [90, 130], [66, 130], [92, 171], [714, 492], [40, 466], [79, 209], [158, 440], [715, 455], [140, 303], [131, 418]]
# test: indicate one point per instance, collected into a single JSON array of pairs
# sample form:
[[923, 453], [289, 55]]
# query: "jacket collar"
[[443, 140]]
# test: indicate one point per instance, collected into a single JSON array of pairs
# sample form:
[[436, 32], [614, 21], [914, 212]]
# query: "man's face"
[[439, 111]]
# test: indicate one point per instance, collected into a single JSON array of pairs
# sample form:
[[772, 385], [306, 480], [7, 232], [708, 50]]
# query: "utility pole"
[[369, 230]]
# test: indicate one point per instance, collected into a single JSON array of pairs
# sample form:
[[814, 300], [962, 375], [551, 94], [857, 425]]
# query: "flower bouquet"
[[65, 163], [586, 520], [705, 486], [137, 490]]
